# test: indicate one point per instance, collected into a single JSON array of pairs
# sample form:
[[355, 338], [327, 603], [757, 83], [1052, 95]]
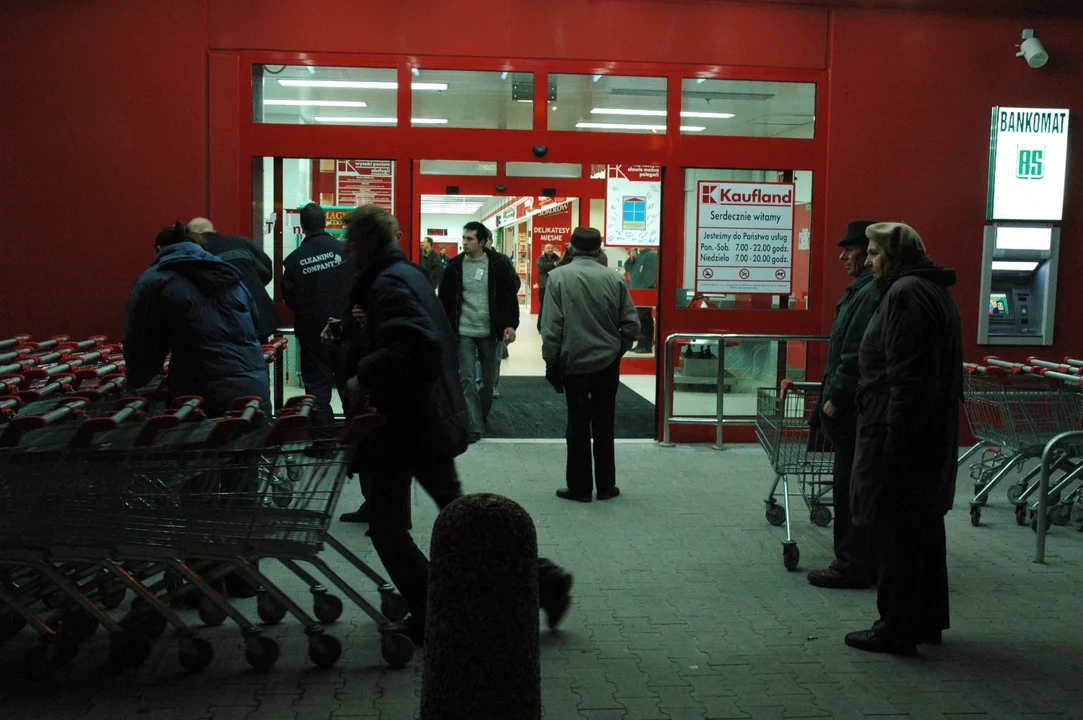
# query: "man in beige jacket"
[[588, 323]]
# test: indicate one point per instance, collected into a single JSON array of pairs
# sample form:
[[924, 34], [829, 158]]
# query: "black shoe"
[[931, 637], [560, 598], [360, 515], [609, 494], [409, 627], [873, 641], [565, 494], [642, 350], [830, 577]]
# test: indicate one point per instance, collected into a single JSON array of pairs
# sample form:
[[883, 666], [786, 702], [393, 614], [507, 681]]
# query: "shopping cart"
[[782, 429], [1017, 410]]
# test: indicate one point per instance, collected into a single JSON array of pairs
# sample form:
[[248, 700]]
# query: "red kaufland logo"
[[719, 194]]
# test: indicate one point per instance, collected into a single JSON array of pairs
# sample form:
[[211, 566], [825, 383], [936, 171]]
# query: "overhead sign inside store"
[[553, 225], [360, 182], [633, 205], [1028, 154], [744, 237]]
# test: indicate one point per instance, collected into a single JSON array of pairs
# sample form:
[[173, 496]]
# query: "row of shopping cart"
[[1014, 411], [161, 508]]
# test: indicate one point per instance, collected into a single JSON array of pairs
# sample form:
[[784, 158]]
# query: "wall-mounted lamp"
[[1032, 50]]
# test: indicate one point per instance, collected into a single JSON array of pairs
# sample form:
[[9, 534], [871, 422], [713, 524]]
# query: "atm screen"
[[998, 305]]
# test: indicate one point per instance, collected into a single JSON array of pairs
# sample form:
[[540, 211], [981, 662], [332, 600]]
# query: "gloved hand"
[[554, 377], [814, 419]]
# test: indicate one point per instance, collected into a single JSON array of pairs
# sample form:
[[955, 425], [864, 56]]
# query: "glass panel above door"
[[748, 108], [607, 103], [311, 95], [473, 99]]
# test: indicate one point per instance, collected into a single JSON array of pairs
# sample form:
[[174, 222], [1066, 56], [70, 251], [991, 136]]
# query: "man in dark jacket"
[[255, 267], [547, 262], [192, 305], [836, 413], [479, 292], [410, 373], [642, 268], [316, 286], [907, 438], [431, 262]]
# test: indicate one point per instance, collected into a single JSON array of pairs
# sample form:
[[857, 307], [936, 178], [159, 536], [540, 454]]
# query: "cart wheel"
[[790, 556], [40, 662], [112, 597], [78, 625], [326, 607], [269, 609], [397, 650], [324, 650], [1015, 492], [977, 489], [393, 607], [1077, 517], [128, 649], [195, 653], [1021, 514], [54, 599], [145, 621], [820, 515], [261, 652], [1060, 515], [209, 613], [776, 514], [975, 515], [282, 494]]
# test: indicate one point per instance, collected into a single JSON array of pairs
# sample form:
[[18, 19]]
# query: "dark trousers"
[[389, 517], [323, 367], [541, 305], [853, 546], [646, 326], [912, 594], [592, 402]]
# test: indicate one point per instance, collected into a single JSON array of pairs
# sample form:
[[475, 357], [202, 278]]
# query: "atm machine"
[[1018, 284]]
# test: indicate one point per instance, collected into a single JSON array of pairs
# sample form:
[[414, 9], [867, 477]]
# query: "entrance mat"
[[529, 408]]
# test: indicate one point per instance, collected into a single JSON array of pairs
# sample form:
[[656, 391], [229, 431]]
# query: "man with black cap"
[[588, 323], [836, 414]]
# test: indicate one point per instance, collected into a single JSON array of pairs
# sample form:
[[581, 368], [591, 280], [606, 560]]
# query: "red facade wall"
[[109, 131]]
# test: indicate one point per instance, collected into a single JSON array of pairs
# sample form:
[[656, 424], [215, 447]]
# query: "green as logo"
[[1030, 164]]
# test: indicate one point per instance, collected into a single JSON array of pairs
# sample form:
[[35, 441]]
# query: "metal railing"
[[719, 421], [1042, 519]]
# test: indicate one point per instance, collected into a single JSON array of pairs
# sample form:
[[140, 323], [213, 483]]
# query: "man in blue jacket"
[[194, 306], [316, 286], [410, 374]]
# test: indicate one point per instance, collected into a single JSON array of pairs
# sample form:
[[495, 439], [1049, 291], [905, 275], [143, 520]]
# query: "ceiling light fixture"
[[700, 81], [319, 103], [634, 126], [657, 113], [415, 71], [596, 78], [360, 84], [1014, 265], [504, 75], [377, 120]]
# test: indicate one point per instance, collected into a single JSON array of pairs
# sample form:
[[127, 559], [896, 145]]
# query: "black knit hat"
[[586, 239], [855, 233]]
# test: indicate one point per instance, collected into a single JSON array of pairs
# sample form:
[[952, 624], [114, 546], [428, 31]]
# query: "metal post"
[[667, 389], [720, 407]]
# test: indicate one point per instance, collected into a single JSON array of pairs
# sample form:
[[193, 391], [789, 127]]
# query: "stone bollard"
[[481, 630]]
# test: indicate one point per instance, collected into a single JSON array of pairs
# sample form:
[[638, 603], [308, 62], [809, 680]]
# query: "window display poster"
[[360, 182], [633, 205], [744, 237]]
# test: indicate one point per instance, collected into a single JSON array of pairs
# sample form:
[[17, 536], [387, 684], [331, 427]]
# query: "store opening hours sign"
[[744, 236]]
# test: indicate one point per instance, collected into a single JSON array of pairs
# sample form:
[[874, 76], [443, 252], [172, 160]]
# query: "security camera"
[[540, 150], [501, 188], [1032, 50]]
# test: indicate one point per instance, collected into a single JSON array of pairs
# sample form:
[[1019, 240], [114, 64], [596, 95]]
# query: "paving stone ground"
[[682, 610]]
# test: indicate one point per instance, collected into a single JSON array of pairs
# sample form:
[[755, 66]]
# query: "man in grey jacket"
[[589, 323]]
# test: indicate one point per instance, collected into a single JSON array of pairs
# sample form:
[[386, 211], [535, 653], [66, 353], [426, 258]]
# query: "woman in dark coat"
[[907, 438]]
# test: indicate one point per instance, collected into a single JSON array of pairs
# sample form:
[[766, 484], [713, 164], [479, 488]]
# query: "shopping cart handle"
[[300, 404], [360, 426]]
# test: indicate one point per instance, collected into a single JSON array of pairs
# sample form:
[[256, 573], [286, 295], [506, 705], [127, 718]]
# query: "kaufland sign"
[[1028, 154]]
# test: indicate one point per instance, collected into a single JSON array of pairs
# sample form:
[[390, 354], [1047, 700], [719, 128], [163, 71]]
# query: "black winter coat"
[[316, 283], [504, 286], [410, 367], [908, 401], [256, 271]]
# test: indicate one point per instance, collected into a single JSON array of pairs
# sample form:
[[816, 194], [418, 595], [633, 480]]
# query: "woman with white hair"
[[908, 397]]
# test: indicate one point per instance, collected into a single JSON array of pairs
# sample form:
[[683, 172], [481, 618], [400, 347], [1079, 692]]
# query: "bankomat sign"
[[1028, 153]]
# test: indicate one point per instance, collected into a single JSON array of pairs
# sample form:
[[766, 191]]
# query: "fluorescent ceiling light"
[[657, 113], [1024, 238], [504, 75], [700, 81], [415, 71], [596, 78], [378, 120], [634, 126], [360, 84], [1014, 265], [318, 103]]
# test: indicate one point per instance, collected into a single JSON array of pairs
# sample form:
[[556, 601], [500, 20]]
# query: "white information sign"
[[633, 202], [1028, 153], [744, 237]]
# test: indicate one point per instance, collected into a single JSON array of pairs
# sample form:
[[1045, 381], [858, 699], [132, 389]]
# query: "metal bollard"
[[481, 629]]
